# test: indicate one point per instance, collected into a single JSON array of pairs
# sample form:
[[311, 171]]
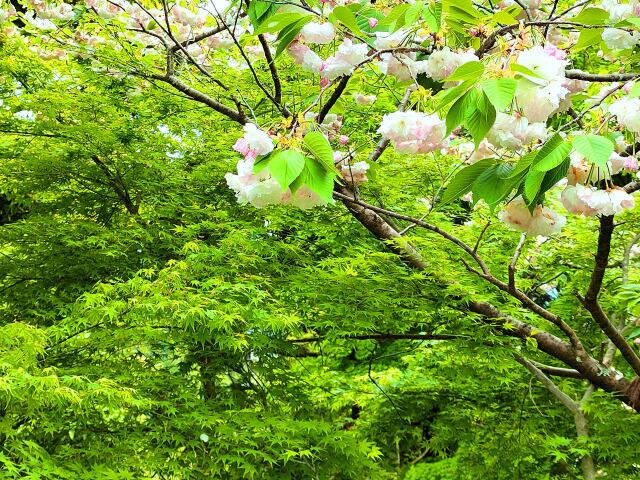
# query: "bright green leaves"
[[500, 91], [595, 148], [524, 71], [316, 178], [345, 16], [293, 169], [592, 16], [488, 180], [589, 37], [396, 17], [463, 181], [279, 21], [548, 166], [461, 109], [320, 148], [258, 11], [287, 24], [290, 32], [466, 71], [533, 175], [475, 111], [551, 154], [481, 118], [493, 185], [285, 166]]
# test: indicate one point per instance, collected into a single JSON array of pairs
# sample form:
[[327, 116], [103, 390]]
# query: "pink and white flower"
[[320, 33], [627, 111], [414, 132], [254, 143], [543, 221], [443, 63], [355, 174], [590, 201], [348, 56], [515, 131]]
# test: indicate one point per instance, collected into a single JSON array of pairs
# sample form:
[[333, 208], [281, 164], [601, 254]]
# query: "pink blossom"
[[555, 52], [543, 221], [343, 140], [630, 164], [373, 22]]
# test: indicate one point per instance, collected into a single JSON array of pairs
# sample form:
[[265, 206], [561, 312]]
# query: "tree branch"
[[277, 86], [198, 96], [590, 300], [383, 336], [335, 96]]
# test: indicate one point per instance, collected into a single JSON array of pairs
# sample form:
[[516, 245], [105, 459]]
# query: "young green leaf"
[[466, 71], [319, 179], [463, 180], [480, 120], [347, 18], [279, 21], [320, 148], [553, 152], [491, 186], [285, 166], [289, 33], [460, 109], [595, 148], [500, 91]]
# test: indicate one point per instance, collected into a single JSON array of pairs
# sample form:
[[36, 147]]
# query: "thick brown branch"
[[277, 86], [383, 336], [590, 300], [335, 96], [600, 77], [198, 96]]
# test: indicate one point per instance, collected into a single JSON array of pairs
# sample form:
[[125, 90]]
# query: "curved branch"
[[590, 299], [198, 96], [383, 336]]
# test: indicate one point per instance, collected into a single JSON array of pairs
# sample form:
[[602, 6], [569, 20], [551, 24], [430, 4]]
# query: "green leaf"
[[451, 94], [460, 109], [347, 18], [259, 11], [592, 16], [285, 166], [278, 21], [589, 37], [433, 16], [414, 12], [320, 148], [532, 183], [522, 166], [289, 33], [466, 71], [553, 152], [491, 186], [595, 148], [261, 163], [524, 70], [500, 91], [462, 181], [480, 120], [317, 178], [395, 14], [508, 16]]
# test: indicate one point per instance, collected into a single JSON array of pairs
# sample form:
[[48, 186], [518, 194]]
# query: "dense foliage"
[[162, 318]]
